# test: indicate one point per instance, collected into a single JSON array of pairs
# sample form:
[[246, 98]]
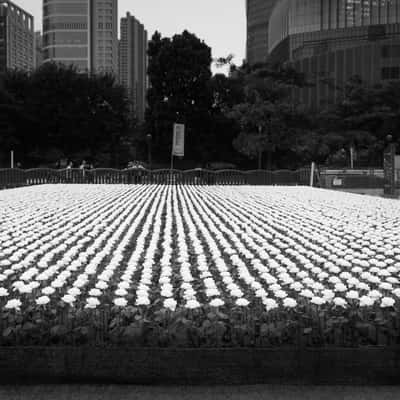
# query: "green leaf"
[[7, 332]]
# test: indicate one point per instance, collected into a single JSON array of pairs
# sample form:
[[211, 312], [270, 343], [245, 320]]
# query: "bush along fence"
[[17, 177]]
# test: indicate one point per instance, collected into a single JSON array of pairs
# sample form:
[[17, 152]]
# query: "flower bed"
[[198, 267]]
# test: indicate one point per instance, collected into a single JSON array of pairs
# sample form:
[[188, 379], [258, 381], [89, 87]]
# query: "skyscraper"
[[16, 37], [38, 49], [133, 62], [332, 41], [83, 33], [104, 36], [258, 13]]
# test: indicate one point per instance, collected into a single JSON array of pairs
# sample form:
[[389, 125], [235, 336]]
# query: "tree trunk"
[[269, 159]]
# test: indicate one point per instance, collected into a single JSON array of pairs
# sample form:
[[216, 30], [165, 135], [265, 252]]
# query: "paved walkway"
[[115, 392]]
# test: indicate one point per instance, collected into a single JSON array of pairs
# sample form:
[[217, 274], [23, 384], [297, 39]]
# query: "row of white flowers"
[[187, 246]]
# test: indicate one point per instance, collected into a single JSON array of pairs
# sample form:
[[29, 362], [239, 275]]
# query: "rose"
[[340, 302], [92, 302], [48, 290], [120, 302], [242, 302], [170, 304], [366, 301], [318, 300], [352, 295], [68, 299], [95, 292], [387, 302], [270, 304], [289, 303], [192, 304], [43, 300], [142, 301], [217, 303], [13, 304]]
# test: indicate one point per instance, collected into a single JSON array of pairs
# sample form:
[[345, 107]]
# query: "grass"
[[258, 392]]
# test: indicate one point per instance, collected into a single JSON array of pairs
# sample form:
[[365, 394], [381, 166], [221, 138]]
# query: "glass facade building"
[[333, 40], [258, 13], [17, 41], [83, 33]]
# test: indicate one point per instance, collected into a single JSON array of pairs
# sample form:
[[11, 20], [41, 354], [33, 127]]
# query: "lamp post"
[[149, 138]]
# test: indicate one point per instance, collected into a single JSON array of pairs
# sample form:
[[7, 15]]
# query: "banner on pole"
[[178, 144]]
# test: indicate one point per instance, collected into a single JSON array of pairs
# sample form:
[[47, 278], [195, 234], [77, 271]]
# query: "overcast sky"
[[220, 23]]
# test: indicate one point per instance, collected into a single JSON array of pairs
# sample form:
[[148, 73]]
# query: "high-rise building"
[[38, 49], [16, 37], [133, 62], [83, 33], [258, 13], [104, 36], [332, 41]]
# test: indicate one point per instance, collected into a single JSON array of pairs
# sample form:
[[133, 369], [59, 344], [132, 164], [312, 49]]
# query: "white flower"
[[42, 300], [217, 303], [318, 300], [68, 299], [192, 304], [242, 302], [352, 294], [289, 302], [3, 292], [13, 304], [74, 291], [142, 301], [270, 304], [366, 301], [48, 290], [307, 293], [95, 292], [170, 304], [120, 302], [92, 302], [340, 302], [387, 302]]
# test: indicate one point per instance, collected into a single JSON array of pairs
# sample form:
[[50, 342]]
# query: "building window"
[[390, 73]]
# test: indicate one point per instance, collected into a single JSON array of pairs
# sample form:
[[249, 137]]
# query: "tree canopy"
[[57, 113]]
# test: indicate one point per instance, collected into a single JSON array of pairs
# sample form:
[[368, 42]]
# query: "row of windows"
[[66, 8], [298, 16], [66, 52], [64, 38], [47, 26]]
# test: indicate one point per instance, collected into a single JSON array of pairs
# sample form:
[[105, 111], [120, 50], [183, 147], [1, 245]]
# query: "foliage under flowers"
[[198, 266]]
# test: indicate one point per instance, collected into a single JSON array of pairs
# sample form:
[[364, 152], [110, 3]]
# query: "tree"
[[267, 116], [65, 114], [361, 120], [179, 73]]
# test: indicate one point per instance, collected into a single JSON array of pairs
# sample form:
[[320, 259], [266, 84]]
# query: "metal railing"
[[17, 177]]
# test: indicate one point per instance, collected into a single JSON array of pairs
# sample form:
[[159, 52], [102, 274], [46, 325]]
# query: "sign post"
[[12, 159], [178, 143], [389, 155]]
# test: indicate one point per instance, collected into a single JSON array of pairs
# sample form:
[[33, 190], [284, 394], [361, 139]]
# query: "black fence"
[[17, 177]]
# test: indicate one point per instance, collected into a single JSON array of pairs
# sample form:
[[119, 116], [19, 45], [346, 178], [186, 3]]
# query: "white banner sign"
[[178, 145]]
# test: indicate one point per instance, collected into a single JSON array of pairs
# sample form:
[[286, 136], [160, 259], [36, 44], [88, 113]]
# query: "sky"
[[220, 23]]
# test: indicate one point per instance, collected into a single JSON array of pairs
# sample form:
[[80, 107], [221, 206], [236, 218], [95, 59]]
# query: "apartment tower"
[[133, 62], [83, 33], [17, 41]]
